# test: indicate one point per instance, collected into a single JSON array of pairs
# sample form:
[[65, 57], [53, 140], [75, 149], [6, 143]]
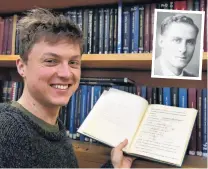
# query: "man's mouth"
[[60, 86]]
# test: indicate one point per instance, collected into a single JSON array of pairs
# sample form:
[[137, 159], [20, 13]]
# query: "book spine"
[[144, 92], [204, 122], [90, 31], [149, 94], [180, 5], [199, 123], [101, 30], [78, 111], [152, 15], [85, 31], [141, 29], [107, 30], [95, 34], [190, 5], [126, 30], [111, 31], [1, 35], [196, 5], [83, 111], [135, 29], [183, 97], [203, 7], [89, 92], [72, 128], [6, 34], [80, 19], [154, 95], [119, 41], [147, 24], [167, 96], [192, 104], [174, 96], [115, 37], [160, 95]]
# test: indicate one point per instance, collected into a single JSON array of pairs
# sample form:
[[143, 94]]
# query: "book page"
[[164, 133], [115, 116]]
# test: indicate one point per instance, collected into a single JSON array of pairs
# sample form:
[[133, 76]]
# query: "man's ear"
[[21, 65], [161, 41]]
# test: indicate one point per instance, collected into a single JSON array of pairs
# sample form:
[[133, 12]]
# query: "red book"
[[192, 104], [1, 34], [180, 5]]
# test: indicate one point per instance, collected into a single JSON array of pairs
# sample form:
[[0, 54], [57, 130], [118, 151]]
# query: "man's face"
[[178, 44], [52, 73]]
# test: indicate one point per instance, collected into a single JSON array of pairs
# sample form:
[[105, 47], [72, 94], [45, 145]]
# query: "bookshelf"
[[94, 155], [141, 61], [134, 66]]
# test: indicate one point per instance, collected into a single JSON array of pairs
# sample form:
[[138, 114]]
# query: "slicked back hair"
[[42, 24], [177, 19]]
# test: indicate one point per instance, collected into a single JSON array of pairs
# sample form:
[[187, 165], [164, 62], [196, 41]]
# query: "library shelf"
[[93, 155], [12, 6], [137, 61]]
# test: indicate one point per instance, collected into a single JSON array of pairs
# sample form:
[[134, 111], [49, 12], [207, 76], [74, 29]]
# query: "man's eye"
[[191, 42], [74, 62], [177, 40], [51, 61]]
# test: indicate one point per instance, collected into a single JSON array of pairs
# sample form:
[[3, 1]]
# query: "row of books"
[[90, 89], [12, 90], [126, 28]]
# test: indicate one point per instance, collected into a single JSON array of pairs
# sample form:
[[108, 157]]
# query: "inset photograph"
[[178, 44]]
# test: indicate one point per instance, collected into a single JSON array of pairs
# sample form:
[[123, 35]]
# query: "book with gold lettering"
[[156, 132]]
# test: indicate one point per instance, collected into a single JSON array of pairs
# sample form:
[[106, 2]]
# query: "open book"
[[155, 132]]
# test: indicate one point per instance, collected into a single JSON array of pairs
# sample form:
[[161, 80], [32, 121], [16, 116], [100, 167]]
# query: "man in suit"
[[177, 41]]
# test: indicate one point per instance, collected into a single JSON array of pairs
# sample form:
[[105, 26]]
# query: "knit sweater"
[[25, 144]]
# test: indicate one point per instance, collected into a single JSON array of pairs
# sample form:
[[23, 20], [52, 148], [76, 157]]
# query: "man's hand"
[[118, 159]]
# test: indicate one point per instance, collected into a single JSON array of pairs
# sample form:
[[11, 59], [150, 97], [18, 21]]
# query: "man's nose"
[[64, 71], [182, 47]]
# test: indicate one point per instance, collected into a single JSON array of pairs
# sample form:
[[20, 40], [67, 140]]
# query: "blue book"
[[135, 29], [83, 110], [204, 122], [119, 46], [183, 97], [167, 96], [126, 35], [144, 92], [72, 127]]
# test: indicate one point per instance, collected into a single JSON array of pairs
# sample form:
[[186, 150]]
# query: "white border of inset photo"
[[194, 67]]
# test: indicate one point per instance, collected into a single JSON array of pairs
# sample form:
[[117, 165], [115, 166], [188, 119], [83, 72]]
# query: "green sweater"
[[26, 141]]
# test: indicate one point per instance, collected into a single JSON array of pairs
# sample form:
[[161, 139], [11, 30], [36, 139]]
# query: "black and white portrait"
[[178, 44]]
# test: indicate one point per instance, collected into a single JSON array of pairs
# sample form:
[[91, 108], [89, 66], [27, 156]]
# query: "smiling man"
[[31, 135], [177, 41]]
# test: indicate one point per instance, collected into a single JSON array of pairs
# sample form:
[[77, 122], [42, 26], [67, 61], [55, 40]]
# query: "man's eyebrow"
[[57, 56], [51, 54]]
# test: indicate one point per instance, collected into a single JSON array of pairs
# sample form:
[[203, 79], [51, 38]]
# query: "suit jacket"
[[158, 69]]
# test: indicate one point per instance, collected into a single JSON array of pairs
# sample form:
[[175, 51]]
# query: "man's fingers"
[[122, 144]]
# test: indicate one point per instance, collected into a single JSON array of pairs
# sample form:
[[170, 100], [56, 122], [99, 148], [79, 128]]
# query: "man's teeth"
[[60, 86]]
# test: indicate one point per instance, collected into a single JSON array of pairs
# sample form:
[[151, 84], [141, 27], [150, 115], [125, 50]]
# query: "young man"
[[177, 41], [50, 64]]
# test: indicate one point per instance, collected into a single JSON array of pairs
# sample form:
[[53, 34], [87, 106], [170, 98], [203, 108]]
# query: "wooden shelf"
[[92, 155], [11, 6], [141, 61]]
